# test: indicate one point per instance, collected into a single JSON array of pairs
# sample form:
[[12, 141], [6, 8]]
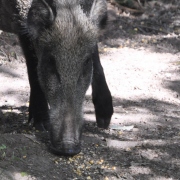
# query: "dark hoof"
[[66, 149], [103, 110], [103, 115], [39, 126], [103, 123]]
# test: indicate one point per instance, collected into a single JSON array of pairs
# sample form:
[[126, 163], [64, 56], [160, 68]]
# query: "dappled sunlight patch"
[[149, 154], [22, 176], [135, 170], [14, 85], [133, 118], [161, 178], [139, 73], [132, 144], [126, 145], [15, 175]]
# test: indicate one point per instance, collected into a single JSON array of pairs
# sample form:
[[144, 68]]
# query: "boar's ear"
[[98, 13], [41, 15]]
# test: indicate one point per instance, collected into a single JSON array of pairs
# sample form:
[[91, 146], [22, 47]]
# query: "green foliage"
[[23, 174], [2, 147]]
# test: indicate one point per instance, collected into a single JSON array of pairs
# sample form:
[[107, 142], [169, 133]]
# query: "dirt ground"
[[141, 59]]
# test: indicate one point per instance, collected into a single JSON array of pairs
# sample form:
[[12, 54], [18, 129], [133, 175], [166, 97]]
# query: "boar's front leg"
[[101, 95], [38, 108]]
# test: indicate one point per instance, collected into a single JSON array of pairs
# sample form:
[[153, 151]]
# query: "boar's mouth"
[[67, 148]]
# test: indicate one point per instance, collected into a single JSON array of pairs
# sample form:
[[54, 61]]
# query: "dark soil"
[[141, 59]]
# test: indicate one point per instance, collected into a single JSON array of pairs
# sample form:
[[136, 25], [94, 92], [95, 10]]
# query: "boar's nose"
[[66, 149]]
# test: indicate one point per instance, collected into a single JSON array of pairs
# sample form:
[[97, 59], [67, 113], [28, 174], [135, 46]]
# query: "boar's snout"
[[68, 148]]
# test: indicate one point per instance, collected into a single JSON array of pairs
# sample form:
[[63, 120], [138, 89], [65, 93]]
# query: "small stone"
[[91, 162], [88, 178]]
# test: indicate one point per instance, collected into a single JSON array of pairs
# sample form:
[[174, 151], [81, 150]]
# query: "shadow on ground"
[[158, 28], [147, 151]]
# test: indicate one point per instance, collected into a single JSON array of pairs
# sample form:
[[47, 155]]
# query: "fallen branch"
[[125, 8], [32, 139], [3, 53], [154, 29], [139, 3]]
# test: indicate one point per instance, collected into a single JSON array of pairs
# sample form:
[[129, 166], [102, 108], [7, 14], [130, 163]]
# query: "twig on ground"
[[3, 53], [125, 8], [32, 139], [139, 3], [155, 29]]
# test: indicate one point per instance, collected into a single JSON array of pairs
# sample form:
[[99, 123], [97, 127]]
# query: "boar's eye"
[[87, 66], [49, 60], [87, 61]]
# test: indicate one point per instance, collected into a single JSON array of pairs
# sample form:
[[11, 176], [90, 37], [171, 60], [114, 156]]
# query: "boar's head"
[[64, 34]]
